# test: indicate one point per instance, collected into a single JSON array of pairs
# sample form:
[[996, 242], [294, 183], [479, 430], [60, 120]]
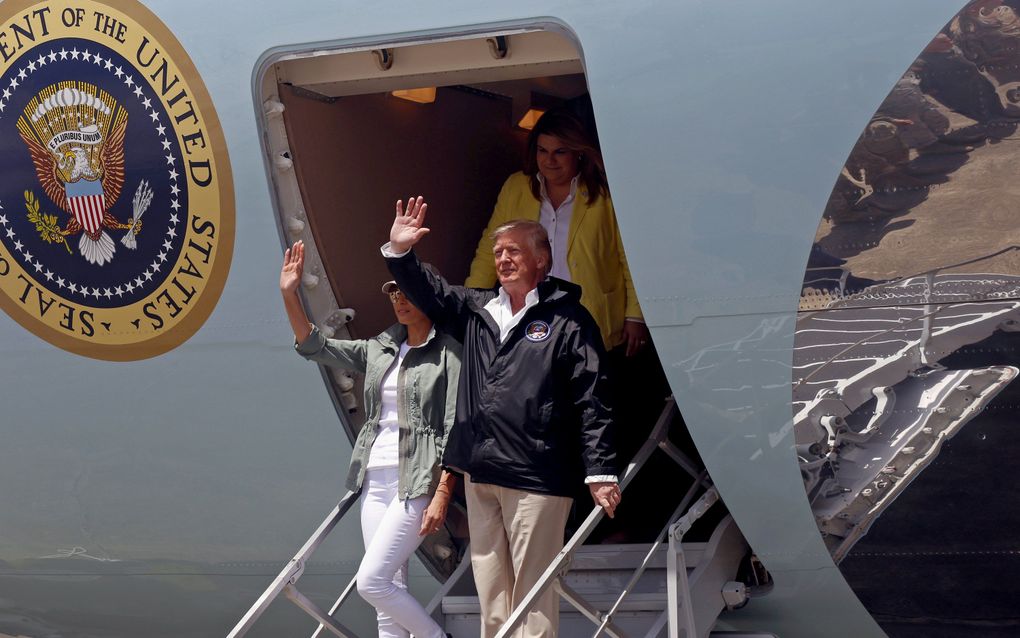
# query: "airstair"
[[670, 586]]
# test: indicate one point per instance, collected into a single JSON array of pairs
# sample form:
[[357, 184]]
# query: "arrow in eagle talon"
[[143, 197]]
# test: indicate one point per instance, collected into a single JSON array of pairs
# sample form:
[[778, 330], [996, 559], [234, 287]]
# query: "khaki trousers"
[[514, 536]]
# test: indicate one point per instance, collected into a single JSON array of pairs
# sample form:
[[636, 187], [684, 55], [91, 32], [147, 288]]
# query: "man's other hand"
[[606, 495]]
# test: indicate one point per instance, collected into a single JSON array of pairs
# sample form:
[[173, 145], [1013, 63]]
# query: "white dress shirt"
[[501, 312], [556, 221]]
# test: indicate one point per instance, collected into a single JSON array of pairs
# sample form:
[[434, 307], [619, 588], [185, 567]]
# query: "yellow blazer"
[[594, 254]]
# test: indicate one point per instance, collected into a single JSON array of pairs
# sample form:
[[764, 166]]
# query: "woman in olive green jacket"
[[411, 373]]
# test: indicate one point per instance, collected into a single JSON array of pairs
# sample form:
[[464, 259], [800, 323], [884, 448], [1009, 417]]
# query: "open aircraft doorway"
[[347, 131]]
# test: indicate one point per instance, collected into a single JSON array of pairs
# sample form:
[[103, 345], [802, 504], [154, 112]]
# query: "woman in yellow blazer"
[[563, 186]]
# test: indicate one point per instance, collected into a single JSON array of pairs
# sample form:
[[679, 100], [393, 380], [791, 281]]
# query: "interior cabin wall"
[[355, 156]]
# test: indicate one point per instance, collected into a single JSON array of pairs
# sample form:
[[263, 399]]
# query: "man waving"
[[532, 419]]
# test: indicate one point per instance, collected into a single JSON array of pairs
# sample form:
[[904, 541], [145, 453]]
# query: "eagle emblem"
[[75, 134]]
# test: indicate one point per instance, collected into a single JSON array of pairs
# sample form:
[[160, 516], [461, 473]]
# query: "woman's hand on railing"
[[606, 495]]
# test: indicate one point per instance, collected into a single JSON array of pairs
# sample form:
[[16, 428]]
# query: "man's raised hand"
[[408, 226]]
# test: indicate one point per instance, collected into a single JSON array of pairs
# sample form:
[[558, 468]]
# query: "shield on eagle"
[[87, 203]]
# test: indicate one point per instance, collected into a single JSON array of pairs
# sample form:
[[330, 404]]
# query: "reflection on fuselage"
[[916, 260]]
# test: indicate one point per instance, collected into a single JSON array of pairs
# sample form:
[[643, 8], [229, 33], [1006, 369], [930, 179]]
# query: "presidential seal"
[[537, 331], [116, 208]]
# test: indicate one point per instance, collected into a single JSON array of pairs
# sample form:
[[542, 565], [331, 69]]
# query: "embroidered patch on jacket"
[[116, 208], [537, 331]]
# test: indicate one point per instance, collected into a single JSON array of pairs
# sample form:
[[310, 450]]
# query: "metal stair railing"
[[636, 576], [462, 568], [285, 582], [554, 574]]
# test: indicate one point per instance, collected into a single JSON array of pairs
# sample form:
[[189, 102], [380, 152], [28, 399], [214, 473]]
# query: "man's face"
[[517, 265]]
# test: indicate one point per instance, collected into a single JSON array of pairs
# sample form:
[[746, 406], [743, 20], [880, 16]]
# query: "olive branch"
[[47, 225]]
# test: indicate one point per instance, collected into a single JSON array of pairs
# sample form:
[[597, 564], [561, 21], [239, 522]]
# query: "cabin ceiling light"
[[499, 46], [383, 58], [530, 119], [425, 95]]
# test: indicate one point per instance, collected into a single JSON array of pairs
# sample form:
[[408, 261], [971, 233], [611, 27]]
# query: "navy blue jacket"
[[532, 412]]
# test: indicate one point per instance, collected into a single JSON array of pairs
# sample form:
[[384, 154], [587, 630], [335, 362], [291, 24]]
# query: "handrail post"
[[607, 618], [678, 593], [678, 599]]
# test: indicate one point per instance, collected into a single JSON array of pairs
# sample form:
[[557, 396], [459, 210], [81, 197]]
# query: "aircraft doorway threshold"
[[348, 130]]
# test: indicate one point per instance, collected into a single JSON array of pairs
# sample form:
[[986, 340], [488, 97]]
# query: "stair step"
[[633, 603], [627, 556], [599, 572]]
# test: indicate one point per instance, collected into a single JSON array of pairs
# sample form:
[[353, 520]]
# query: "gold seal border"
[[179, 332]]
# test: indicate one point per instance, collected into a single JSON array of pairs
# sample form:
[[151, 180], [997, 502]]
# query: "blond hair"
[[538, 238]]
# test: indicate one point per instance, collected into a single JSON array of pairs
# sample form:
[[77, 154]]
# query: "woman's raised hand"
[[293, 266], [408, 225]]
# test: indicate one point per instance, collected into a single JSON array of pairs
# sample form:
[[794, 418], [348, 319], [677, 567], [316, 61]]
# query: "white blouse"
[[385, 451]]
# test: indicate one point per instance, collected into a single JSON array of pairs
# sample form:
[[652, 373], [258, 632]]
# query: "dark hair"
[[561, 123], [537, 236]]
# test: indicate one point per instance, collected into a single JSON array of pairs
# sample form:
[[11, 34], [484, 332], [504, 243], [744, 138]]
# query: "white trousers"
[[390, 528]]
